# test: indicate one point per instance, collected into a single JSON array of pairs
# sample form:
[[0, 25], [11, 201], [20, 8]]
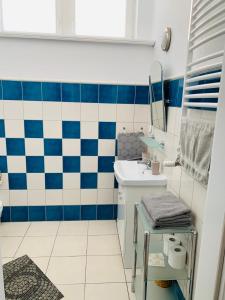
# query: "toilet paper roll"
[[169, 240], [177, 257]]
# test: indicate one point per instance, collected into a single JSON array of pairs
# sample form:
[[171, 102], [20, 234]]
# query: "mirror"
[[157, 100]]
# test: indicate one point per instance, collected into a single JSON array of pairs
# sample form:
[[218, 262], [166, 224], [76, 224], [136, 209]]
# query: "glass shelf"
[[152, 143]]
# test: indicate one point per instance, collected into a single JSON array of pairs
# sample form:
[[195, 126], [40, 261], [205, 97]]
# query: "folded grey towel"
[[167, 211], [130, 147]]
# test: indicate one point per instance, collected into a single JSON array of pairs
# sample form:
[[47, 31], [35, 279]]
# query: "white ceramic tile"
[[171, 119], [175, 180], [52, 129], [35, 181], [14, 128], [53, 197], [71, 147], [106, 147], [125, 113], [33, 110], [14, 229], [89, 111], [71, 180], [109, 291], [89, 130], [2, 146], [115, 196], [89, 164], [71, 197], [70, 246], [103, 245], [102, 228], [41, 262], [5, 260], [70, 111], [141, 127], [18, 197], [36, 197], [36, 246], [105, 181], [198, 202], [73, 228], [110, 269], [141, 113], [67, 270], [5, 197], [16, 164], [89, 196], [2, 110], [38, 229], [131, 294], [5, 182], [72, 291], [107, 112], [128, 275], [178, 121], [53, 164], [52, 110], [34, 147], [9, 245], [186, 188], [13, 110], [105, 196], [122, 127]]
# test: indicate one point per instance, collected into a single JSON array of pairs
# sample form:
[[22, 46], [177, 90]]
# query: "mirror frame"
[[151, 95]]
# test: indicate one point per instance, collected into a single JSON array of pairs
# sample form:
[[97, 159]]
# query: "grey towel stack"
[[167, 211]]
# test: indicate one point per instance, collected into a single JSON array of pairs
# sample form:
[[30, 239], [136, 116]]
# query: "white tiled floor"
[[82, 259]]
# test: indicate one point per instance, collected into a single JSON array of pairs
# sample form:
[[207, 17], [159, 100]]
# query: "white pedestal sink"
[[134, 181]]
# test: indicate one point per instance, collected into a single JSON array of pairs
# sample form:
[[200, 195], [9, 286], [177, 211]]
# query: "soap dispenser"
[[155, 166]]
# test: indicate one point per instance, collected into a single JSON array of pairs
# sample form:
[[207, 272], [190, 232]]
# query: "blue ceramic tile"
[[115, 211], [6, 215], [51, 91], [72, 212], [31, 91], [126, 94], [53, 181], [3, 164], [35, 164], [180, 92], [105, 212], [53, 147], [71, 129], [107, 130], [33, 129], [142, 95], [71, 164], [88, 180], [12, 90], [17, 181], [36, 213], [19, 213], [89, 93], [108, 93], [88, 212], [15, 146], [89, 147], [54, 213], [105, 164], [70, 92], [2, 128]]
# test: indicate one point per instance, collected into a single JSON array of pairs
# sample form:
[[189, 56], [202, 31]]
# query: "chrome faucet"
[[148, 163]]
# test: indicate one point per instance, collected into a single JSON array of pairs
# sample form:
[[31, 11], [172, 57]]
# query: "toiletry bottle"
[[155, 166]]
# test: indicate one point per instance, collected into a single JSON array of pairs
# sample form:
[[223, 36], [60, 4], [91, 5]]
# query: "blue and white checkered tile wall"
[[58, 145]]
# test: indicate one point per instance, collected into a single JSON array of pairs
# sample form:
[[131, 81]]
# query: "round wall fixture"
[[166, 42]]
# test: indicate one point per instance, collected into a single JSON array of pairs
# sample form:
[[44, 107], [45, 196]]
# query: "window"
[[100, 17], [29, 16], [92, 18]]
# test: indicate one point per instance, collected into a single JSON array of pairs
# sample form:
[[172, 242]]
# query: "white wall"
[[175, 14], [74, 61]]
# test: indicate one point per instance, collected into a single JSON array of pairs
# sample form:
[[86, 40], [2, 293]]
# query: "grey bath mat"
[[25, 281]]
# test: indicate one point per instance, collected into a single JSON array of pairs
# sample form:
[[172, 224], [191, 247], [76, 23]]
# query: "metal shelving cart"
[[148, 240]]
